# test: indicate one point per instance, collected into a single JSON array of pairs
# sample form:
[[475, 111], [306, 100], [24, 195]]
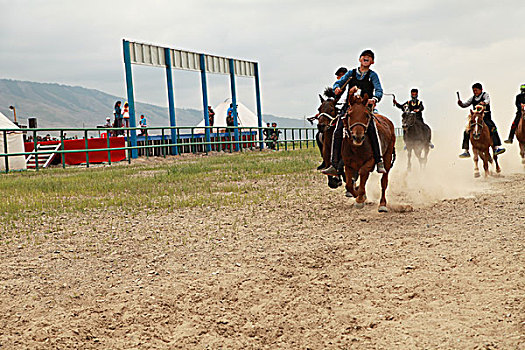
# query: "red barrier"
[[95, 143]]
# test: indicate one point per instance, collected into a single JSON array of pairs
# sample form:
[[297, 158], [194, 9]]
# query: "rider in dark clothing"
[[367, 81], [520, 98], [481, 98], [414, 105]]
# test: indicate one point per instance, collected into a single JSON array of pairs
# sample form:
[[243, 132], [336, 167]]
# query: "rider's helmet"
[[522, 88], [341, 71], [369, 53]]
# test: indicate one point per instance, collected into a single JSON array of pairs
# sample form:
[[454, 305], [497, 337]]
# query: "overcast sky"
[[438, 46]]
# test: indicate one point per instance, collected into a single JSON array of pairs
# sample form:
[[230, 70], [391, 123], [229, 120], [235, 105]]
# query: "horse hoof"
[[348, 194], [498, 171], [359, 205], [522, 160], [476, 174], [383, 209]]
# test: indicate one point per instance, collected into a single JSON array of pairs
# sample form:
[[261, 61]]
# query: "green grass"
[[214, 181]]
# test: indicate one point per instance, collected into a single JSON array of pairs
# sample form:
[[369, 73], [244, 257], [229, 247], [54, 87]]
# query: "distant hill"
[[56, 105]]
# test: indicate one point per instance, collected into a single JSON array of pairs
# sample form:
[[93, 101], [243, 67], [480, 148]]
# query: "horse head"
[[476, 122], [327, 111], [358, 117], [408, 119]]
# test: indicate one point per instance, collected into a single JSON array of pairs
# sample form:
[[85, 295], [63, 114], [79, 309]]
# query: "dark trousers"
[[338, 140], [487, 118], [514, 125]]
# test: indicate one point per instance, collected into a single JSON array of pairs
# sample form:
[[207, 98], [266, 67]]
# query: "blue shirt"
[[230, 111], [374, 78], [143, 122]]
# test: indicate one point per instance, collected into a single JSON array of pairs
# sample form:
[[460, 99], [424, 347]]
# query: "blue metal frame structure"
[[152, 55], [131, 97], [171, 99]]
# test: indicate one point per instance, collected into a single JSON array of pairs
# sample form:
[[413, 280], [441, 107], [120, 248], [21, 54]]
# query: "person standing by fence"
[[117, 112], [125, 115], [143, 124]]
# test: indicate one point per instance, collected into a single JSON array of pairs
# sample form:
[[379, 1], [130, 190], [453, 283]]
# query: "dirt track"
[[307, 272]]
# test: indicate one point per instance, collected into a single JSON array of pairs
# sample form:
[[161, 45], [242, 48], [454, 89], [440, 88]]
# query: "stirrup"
[[381, 168]]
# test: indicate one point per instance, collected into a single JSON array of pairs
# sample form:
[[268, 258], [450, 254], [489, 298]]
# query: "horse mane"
[[329, 92]]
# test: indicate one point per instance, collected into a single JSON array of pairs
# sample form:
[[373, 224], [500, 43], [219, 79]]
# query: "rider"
[[481, 98], [520, 98], [368, 81], [414, 105]]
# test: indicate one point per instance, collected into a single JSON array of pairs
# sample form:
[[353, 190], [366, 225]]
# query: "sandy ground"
[[307, 272]]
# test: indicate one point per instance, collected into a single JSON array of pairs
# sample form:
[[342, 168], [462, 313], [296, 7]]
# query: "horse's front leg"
[[364, 172], [485, 157], [382, 202], [409, 162], [522, 153], [498, 169], [350, 182], [475, 158]]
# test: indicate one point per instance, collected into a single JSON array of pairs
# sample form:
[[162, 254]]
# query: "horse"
[[520, 134], [325, 117], [481, 141], [417, 136], [357, 151]]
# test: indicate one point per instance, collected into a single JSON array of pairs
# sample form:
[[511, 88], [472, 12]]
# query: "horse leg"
[[522, 153], [364, 172], [409, 163], [350, 183], [476, 158], [498, 169], [485, 157], [384, 179], [417, 152], [425, 157]]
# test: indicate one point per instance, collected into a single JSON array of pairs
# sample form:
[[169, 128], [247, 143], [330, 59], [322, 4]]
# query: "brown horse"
[[357, 150], [520, 134], [325, 117], [481, 141]]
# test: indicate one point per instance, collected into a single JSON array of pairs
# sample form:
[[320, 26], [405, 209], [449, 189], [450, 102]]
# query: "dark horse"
[[481, 141], [417, 136], [520, 134], [357, 151], [325, 117]]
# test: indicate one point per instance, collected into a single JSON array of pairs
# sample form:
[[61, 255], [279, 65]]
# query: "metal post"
[[162, 142], [146, 149], [171, 98], [109, 148], [234, 103], [205, 98], [35, 145], [131, 98], [5, 152], [63, 156], [258, 100], [87, 147]]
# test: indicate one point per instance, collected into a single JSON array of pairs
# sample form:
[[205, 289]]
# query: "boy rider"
[[414, 105], [520, 98], [368, 81], [481, 98]]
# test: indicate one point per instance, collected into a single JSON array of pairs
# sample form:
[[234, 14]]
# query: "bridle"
[[369, 116], [413, 121]]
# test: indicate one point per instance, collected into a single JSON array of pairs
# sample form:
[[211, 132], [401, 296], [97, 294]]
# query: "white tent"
[[15, 144], [245, 119]]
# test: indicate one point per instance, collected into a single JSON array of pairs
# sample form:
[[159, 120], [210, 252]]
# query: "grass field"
[[188, 181]]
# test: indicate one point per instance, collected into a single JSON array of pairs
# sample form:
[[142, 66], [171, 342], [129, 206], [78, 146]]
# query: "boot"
[[511, 136]]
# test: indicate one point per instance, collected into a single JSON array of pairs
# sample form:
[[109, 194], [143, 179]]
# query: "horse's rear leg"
[[498, 169]]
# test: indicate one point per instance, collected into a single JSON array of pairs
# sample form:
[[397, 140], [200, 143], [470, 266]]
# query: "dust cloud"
[[446, 176]]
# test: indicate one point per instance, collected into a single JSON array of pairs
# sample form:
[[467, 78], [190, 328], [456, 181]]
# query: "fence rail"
[[156, 141]]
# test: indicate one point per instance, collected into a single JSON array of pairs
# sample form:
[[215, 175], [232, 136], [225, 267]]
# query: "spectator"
[[125, 115], [118, 115], [143, 125], [211, 116], [230, 118]]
